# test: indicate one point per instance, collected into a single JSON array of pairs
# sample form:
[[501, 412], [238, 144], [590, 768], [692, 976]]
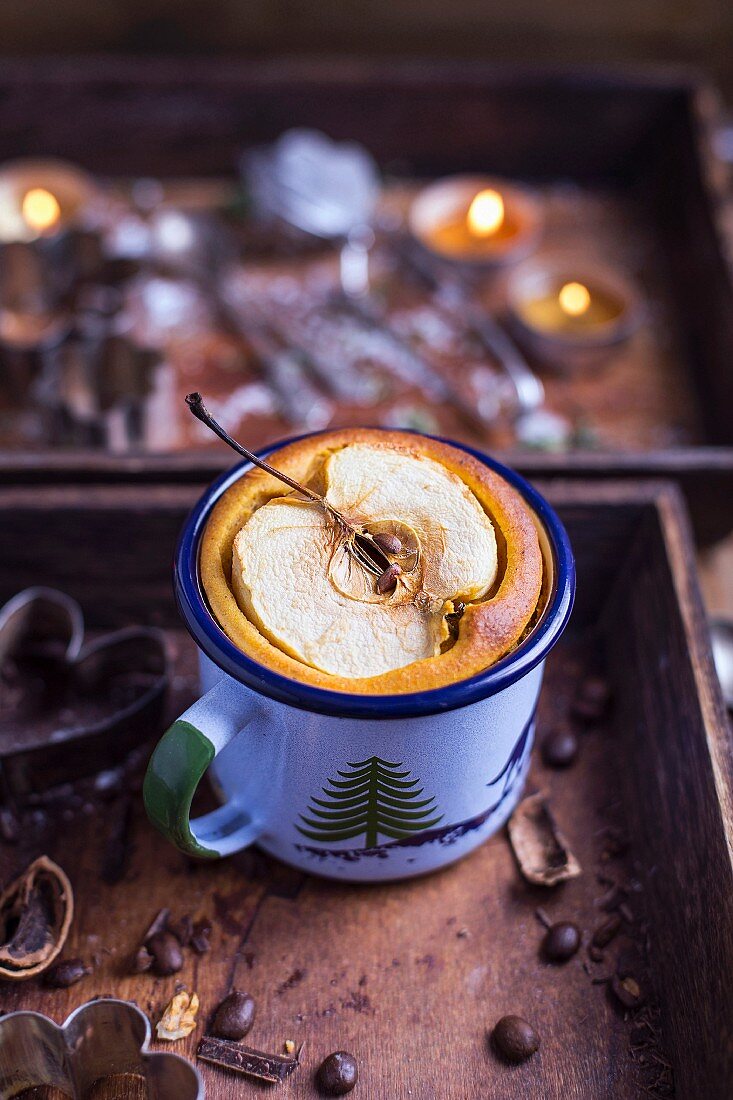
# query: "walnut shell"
[[35, 916]]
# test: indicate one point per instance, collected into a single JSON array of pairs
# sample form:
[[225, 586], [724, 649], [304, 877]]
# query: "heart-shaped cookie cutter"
[[47, 615], [100, 1039]]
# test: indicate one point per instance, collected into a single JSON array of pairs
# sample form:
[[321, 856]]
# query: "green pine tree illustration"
[[373, 798]]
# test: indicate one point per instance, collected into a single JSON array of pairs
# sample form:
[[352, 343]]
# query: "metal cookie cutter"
[[101, 1039]]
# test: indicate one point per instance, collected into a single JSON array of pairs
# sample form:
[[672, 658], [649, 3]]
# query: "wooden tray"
[[640, 140], [410, 976]]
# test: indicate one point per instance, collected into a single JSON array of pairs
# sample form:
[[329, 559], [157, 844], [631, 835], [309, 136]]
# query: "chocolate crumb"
[[606, 931], [66, 973]]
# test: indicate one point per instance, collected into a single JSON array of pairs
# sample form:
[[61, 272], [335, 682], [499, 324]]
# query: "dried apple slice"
[[293, 575]]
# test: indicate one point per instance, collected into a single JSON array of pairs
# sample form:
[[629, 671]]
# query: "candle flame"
[[486, 213], [574, 299], [40, 209]]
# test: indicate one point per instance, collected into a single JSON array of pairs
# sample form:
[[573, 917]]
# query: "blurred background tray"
[[410, 976], [622, 160]]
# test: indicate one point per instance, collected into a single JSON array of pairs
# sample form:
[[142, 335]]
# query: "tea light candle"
[[43, 198], [475, 220], [565, 304], [47, 213]]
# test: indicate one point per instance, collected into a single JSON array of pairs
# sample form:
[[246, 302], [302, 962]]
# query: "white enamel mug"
[[361, 788]]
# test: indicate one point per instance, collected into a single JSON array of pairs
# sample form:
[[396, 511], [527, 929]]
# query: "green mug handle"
[[179, 763]]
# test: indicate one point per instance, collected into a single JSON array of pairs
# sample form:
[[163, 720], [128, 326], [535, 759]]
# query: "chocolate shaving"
[[540, 848], [273, 1068], [35, 917]]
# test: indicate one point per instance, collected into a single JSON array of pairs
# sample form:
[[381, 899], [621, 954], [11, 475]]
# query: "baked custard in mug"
[[283, 584]]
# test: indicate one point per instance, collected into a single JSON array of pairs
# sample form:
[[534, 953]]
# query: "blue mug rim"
[[212, 640]]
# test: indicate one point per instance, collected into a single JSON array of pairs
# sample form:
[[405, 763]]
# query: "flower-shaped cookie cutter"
[[100, 1039], [51, 625]]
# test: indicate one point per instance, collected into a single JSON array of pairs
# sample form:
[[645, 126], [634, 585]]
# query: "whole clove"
[[337, 1074], [66, 973], [514, 1039], [166, 952], [561, 941], [234, 1016]]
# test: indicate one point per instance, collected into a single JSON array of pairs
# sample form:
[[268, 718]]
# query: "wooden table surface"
[[407, 976]]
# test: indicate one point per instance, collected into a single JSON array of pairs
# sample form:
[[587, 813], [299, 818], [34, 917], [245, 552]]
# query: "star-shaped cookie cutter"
[[100, 1039]]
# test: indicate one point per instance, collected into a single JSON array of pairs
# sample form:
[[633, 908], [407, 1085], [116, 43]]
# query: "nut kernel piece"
[[179, 1018]]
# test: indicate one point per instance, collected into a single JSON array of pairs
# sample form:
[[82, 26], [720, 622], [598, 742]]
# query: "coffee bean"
[[337, 1074], [390, 544], [234, 1016], [607, 931], [388, 580], [627, 991], [595, 954], [592, 700], [166, 952], [515, 1039], [559, 748], [66, 973], [561, 941]]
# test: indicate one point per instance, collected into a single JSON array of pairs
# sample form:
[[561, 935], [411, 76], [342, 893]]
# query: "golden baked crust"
[[489, 628]]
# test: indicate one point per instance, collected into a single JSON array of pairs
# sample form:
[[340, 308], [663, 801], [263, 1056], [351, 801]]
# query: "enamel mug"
[[360, 788]]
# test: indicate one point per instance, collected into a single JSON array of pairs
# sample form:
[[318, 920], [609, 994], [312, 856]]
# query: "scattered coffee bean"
[[627, 991], [606, 931], [515, 1039], [390, 544], [234, 1016], [143, 961], [559, 748], [592, 700], [166, 952], [337, 1074], [561, 941], [388, 580], [66, 973]]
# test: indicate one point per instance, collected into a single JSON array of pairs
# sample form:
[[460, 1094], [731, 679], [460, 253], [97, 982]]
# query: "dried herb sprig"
[[358, 541]]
